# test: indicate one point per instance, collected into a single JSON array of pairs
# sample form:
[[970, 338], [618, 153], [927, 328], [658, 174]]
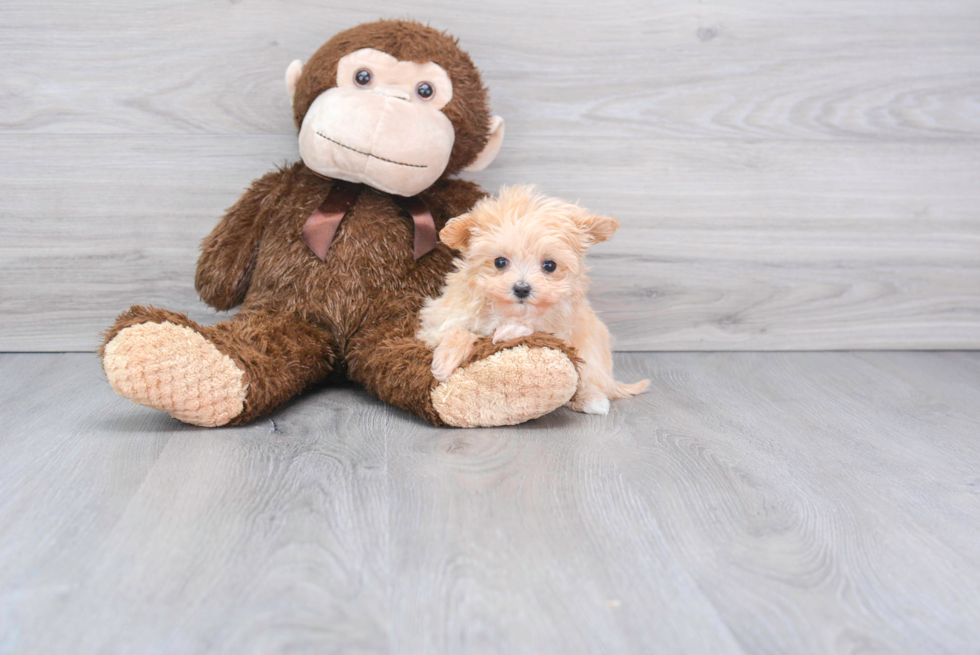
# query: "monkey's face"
[[382, 125], [392, 104]]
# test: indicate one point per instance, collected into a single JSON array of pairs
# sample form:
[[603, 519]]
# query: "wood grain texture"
[[789, 176], [760, 69], [748, 503], [135, 533], [692, 268]]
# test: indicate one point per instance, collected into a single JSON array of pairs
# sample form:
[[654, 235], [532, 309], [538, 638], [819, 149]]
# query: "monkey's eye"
[[425, 90], [363, 77], [500, 262], [549, 266]]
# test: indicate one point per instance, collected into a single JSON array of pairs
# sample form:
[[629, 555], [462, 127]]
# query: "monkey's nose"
[[392, 92], [522, 290]]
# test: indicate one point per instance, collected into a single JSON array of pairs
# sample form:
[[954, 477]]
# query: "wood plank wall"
[[799, 175]]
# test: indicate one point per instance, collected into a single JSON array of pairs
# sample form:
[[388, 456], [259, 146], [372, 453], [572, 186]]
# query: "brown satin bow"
[[321, 226]]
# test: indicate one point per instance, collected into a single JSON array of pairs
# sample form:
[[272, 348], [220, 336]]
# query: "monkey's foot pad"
[[506, 388], [176, 370]]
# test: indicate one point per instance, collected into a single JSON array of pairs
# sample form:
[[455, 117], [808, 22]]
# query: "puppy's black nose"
[[522, 290]]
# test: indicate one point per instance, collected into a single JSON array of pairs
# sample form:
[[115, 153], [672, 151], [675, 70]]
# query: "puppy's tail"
[[621, 390]]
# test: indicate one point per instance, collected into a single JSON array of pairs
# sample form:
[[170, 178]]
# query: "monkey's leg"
[[221, 374], [501, 384]]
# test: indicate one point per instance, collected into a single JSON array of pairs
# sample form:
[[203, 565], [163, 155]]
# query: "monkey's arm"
[[228, 254]]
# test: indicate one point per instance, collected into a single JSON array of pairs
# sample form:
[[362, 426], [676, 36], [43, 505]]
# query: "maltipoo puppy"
[[523, 271]]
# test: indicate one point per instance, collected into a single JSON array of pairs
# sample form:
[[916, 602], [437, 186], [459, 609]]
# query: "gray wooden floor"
[[749, 503]]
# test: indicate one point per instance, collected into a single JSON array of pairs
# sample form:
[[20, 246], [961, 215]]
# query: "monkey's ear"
[[489, 152], [456, 233], [596, 228], [292, 77]]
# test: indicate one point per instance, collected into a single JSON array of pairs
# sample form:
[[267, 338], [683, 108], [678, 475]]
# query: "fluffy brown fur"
[[301, 317]]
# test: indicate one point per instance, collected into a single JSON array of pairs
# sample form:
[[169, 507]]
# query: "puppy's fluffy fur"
[[504, 286]]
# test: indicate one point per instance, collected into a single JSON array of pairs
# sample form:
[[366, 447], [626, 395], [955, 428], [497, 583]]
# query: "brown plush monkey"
[[331, 258]]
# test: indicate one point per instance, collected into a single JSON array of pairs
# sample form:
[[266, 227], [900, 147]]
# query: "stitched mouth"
[[368, 154]]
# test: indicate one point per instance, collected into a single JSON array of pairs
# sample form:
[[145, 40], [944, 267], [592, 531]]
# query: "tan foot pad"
[[176, 370], [506, 388]]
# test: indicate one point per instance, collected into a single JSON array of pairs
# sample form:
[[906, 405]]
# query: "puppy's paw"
[[511, 331], [590, 402], [598, 405], [444, 362], [450, 353]]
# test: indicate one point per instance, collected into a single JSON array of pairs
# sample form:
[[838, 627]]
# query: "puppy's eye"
[[425, 90], [363, 77], [549, 266], [500, 262]]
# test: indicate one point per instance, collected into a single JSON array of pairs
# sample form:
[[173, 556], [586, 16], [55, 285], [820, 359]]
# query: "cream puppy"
[[523, 271]]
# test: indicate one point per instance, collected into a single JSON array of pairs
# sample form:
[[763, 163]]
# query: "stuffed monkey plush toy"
[[331, 258]]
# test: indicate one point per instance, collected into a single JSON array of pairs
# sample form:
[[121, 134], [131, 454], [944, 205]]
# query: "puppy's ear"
[[456, 233], [596, 228]]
